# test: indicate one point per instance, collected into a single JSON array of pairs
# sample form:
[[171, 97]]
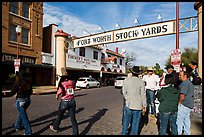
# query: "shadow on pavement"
[[94, 118], [40, 121]]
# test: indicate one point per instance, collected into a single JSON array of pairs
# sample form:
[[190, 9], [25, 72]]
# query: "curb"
[[49, 91]]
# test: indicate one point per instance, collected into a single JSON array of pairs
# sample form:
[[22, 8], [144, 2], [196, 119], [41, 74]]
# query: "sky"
[[76, 17]]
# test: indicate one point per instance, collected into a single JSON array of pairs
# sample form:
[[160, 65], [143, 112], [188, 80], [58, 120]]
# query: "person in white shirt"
[[151, 85]]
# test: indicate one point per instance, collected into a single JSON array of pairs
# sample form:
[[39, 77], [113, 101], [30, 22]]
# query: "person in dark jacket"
[[170, 70], [168, 108], [23, 88]]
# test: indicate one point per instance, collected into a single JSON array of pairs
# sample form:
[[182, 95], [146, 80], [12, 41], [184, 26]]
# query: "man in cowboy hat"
[[134, 94], [151, 85]]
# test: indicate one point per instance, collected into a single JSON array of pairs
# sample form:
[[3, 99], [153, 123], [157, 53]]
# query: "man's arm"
[[181, 98]]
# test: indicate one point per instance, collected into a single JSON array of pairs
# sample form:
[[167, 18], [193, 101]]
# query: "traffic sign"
[[176, 59], [17, 62]]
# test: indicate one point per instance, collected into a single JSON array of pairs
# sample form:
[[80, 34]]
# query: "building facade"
[[27, 45], [36, 47]]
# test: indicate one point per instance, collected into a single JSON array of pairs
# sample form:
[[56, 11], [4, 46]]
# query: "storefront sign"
[[157, 29]]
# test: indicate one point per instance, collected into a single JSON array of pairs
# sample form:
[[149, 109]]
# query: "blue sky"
[[75, 17]]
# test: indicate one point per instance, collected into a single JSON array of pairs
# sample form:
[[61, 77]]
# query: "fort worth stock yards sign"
[[125, 34]]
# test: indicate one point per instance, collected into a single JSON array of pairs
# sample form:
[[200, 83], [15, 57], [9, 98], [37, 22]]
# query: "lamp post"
[[17, 61]]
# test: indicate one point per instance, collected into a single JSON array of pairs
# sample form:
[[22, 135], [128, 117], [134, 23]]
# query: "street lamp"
[[17, 61], [18, 32]]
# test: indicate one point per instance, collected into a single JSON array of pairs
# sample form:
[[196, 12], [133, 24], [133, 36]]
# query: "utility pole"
[[177, 25]]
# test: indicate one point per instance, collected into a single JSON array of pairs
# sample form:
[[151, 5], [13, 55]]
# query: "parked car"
[[119, 81], [87, 82]]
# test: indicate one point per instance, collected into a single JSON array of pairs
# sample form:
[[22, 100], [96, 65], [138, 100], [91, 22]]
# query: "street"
[[98, 112]]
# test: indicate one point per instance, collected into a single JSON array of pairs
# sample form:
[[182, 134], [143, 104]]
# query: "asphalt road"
[[98, 112]]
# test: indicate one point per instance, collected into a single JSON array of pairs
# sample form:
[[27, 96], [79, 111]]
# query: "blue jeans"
[[71, 107], [22, 104], [183, 120], [150, 94], [129, 114], [164, 118]]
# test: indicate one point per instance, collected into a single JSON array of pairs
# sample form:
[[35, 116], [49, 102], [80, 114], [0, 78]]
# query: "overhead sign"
[[157, 29]]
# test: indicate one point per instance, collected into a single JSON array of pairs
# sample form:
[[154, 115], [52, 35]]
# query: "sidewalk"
[[38, 90]]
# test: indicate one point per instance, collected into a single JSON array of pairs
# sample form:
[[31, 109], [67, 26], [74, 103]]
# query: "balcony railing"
[[47, 58], [104, 61]]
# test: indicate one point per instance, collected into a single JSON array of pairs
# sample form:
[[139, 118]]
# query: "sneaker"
[[15, 128], [52, 128]]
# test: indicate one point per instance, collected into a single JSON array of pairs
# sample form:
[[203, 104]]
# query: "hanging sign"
[[152, 30]]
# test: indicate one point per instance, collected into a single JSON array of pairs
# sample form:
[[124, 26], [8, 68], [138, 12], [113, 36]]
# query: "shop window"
[[14, 7]]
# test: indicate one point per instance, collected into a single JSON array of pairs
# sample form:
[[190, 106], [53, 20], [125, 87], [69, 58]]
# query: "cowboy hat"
[[150, 69], [169, 66], [135, 70]]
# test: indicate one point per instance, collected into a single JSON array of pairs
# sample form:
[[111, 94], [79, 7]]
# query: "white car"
[[119, 82], [87, 82]]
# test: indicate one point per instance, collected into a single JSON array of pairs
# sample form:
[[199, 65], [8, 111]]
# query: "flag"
[[159, 17], [117, 25], [136, 20], [85, 32]]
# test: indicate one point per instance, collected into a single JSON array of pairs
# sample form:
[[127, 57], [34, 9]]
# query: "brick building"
[[28, 15]]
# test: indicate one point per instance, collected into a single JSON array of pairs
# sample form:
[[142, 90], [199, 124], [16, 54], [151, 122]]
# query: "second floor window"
[[95, 55], [102, 56], [115, 61], [12, 33], [25, 34], [121, 61], [25, 10], [14, 7], [82, 51], [13, 36]]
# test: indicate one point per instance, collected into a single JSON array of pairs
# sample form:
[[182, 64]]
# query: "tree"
[[129, 61], [189, 55], [158, 70]]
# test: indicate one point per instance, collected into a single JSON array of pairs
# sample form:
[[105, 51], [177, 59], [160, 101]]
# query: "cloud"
[[148, 51]]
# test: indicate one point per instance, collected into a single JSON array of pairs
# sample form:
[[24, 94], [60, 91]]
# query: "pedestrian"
[[151, 85], [23, 88], [168, 107], [185, 104], [170, 70], [134, 94], [66, 91]]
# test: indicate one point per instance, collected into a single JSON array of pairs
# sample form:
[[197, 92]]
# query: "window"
[[25, 10], [12, 33], [102, 56], [37, 26], [95, 55], [115, 61], [25, 33], [14, 7], [82, 51], [121, 61]]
